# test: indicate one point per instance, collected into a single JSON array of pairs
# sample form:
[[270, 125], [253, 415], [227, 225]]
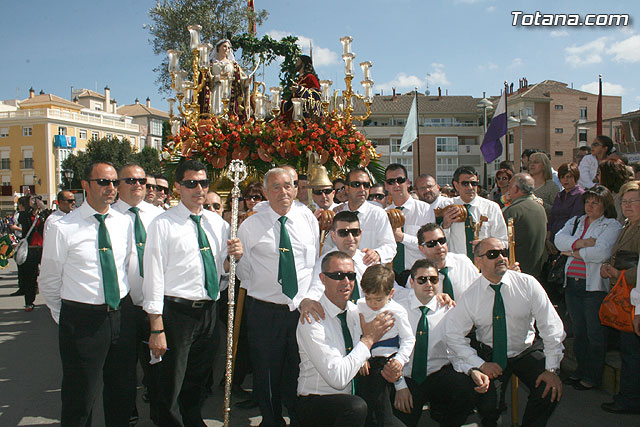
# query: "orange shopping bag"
[[616, 309]]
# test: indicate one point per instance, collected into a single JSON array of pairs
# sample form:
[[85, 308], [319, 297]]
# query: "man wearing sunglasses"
[[378, 195], [83, 278], [213, 202], [150, 196], [66, 203], [184, 257], [281, 242], [428, 376], [456, 271], [323, 197], [460, 233], [506, 307], [377, 240], [416, 213], [132, 190], [162, 193]]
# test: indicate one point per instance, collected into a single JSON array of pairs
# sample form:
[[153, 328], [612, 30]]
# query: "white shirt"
[[70, 267], [316, 288], [526, 303], [605, 231], [173, 265], [325, 366], [376, 231], [400, 329], [416, 214], [441, 201], [588, 168], [494, 227], [635, 292], [55, 216], [148, 212], [437, 351], [260, 237]]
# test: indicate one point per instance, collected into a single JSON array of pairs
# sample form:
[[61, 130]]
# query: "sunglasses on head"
[[105, 182], [326, 191], [131, 181], [423, 279], [344, 232], [193, 183], [494, 253], [215, 206], [376, 197], [254, 197], [339, 275], [357, 184], [469, 183], [432, 243], [399, 180]]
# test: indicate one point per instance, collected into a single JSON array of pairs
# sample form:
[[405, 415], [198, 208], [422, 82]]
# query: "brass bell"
[[318, 177]]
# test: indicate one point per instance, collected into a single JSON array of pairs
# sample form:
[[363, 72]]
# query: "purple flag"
[[491, 144]]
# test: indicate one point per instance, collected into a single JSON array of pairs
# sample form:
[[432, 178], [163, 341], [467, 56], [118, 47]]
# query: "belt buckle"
[[197, 304], [110, 309]]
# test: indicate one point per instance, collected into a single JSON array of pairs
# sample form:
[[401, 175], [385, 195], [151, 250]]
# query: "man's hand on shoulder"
[[309, 308]]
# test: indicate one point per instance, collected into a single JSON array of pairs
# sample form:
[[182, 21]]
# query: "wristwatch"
[[553, 370]]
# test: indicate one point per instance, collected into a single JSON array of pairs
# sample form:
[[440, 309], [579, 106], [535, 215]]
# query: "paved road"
[[30, 375]]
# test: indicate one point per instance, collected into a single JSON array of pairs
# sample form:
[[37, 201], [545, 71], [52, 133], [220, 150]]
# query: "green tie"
[[287, 276], [355, 295], [421, 351], [499, 328], [348, 342], [107, 265], [141, 236], [447, 286], [210, 270], [398, 260], [468, 232]]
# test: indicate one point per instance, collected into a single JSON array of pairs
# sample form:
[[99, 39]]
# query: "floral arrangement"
[[263, 145]]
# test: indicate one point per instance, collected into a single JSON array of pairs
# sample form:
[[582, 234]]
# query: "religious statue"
[[223, 64], [307, 87]]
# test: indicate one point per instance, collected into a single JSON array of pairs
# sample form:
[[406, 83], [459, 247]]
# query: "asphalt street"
[[30, 378]]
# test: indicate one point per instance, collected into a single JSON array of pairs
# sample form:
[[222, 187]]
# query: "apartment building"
[[150, 121]]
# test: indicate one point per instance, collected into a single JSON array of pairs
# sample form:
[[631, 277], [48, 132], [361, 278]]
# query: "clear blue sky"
[[467, 46]]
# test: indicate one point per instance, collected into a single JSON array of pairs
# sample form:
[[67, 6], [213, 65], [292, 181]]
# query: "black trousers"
[[94, 345], [275, 359], [242, 366], [528, 365], [450, 396], [375, 391], [149, 372], [28, 274], [339, 410], [186, 365]]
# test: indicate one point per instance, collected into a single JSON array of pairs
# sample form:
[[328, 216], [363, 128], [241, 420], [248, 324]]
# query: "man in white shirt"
[[377, 243], [460, 234], [281, 244], [456, 271], [131, 193], [162, 193], [416, 214], [83, 278], [184, 256], [429, 191], [329, 360], [213, 202], [450, 394], [151, 187], [66, 203], [323, 197], [506, 307]]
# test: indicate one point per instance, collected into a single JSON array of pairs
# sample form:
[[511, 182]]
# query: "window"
[[395, 146], [156, 127], [108, 135], [558, 153], [6, 180], [583, 112], [143, 141], [5, 163], [559, 107], [529, 111], [582, 137], [62, 130], [82, 134], [4, 132], [27, 162], [559, 130], [27, 131], [95, 135], [447, 144], [407, 162]]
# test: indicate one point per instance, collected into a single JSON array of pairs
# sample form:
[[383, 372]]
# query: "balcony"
[[52, 113], [26, 164], [6, 190], [5, 164]]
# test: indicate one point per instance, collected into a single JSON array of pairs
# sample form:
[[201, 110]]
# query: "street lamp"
[[485, 105], [520, 120], [68, 176]]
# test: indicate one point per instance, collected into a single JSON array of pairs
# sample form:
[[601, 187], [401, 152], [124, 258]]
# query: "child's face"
[[377, 301]]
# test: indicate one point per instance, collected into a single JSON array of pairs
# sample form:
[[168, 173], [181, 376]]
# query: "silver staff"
[[236, 172]]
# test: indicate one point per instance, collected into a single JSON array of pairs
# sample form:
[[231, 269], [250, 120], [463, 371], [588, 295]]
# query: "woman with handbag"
[[28, 271], [625, 259], [590, 244]]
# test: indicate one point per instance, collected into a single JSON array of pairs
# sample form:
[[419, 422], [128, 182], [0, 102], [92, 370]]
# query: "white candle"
[[259, 113], [297, 108], [194, 33], [174, 57], [346, 44], [348, 63], [203, 53], [325, 87], [171, 101], [226, 87], [275, 93], [175, 127], [365, 69]]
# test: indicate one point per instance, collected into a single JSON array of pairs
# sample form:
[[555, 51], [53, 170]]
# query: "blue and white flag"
[[492, 143], [410, 128]]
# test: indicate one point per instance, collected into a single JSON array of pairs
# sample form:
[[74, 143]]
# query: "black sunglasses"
[[339, 275], [68, 200], [339, 189], [423, 279], [193, 183], [494, 253], [357, 184], [131, 181], [376, 197], [432, 243], [399, 180], [295, 183], [152, 187], [344, 232], [469, 183], [164, 189], [326, 191], [254, 197], [105, 182], [215, 206]]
